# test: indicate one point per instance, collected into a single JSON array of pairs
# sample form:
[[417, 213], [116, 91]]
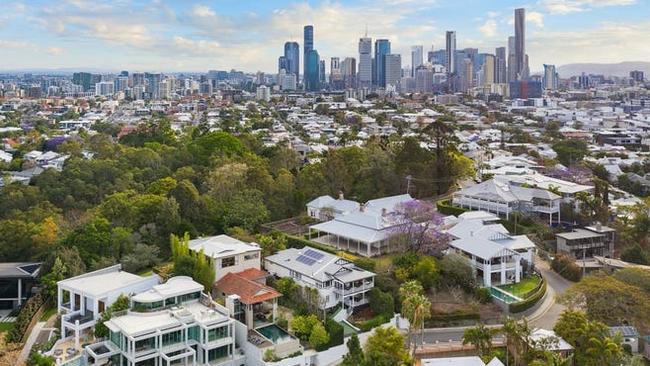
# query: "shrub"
[[299, 243], [482, 294], [27, 313], [381, 303], [365, 263], [445, 207], [371, 323], [517, 307], [336, 332], [566, 267]]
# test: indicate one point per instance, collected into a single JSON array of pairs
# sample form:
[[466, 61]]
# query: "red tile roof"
[[253, 274], [249, 292]]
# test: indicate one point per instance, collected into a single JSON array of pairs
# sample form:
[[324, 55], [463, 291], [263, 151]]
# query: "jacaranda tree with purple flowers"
[[417, 227]]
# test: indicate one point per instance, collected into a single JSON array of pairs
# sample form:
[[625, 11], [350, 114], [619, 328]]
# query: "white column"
[[20, 291], [517, 270], [59, 298], [503, 271], [76, 333], [487, 274]]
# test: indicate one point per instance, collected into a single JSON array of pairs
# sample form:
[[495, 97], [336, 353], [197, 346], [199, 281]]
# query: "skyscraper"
[[292, 58], [450, 51], [520, 43], [466, 75], [312, 74], [417, 58], [365, 62], [512, 63], [308, 45], [321, 72], [382, 48], [392, 70], [500, 69], [488, 70], [282, 64], [349, 72], [549, 81]]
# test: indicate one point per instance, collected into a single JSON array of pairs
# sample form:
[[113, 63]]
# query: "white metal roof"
[[222, 246], [459, 361], [175, 286], [98, 284]]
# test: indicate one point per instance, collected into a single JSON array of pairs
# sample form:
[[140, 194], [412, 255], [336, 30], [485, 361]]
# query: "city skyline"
[[197, 36]]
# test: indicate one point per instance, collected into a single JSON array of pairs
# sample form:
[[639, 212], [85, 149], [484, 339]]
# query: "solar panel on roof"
[[314, 254], [305, 260]]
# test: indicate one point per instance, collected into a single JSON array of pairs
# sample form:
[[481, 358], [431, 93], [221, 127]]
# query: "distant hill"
[[619, 69]]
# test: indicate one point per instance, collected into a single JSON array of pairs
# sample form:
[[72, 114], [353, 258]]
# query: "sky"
[[189, 35]]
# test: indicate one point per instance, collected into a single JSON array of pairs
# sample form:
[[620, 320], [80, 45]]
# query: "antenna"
[[366, 30]]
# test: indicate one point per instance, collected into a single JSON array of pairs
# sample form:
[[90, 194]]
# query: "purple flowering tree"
[[416, 226]]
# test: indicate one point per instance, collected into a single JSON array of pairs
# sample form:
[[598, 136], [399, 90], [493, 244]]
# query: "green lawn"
[[525, 286], [48, 313], [5, 327]]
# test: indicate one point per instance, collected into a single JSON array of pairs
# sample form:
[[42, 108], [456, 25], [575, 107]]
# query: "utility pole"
[[408, 183]]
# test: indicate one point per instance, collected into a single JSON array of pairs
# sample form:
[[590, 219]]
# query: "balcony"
[[72, 318], [349, 290]]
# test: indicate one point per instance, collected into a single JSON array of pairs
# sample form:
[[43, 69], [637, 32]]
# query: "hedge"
[[445, 207], [299, 243], [28, 316], [518, 307], [371, 323], [335, 331]]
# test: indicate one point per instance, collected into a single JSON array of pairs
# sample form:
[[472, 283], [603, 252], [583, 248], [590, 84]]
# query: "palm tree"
[[480, 337], [552, 359], [416, 307], [421, 312], [517, 335]]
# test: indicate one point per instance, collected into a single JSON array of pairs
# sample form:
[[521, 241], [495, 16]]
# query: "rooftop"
[[22, 269], [221, 246], [175, 286], [103, 281], [249, 291]]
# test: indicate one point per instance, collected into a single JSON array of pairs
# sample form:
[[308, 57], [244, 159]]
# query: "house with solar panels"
[[337, 280]]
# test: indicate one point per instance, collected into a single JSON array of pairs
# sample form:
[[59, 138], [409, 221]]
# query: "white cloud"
[[54, 51], [571, 6], [489, 28], [203, 11], [535, 18]]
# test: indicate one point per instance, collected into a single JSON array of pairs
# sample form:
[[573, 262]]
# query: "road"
[[548, 312]]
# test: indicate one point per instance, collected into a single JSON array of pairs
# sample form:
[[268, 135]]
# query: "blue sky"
[[166, 35]]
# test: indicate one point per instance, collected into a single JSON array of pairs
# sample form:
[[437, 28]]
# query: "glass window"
[[172, 338], [194, 333], [116, 338], [227, 262], [218, 353], [251, 256], [217, 333], [170, 301], [145, 344]]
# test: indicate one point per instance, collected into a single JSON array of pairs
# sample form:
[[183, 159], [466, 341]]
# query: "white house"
[[171, 324], [327, 208], [337, 280], [82, 299], [459, 361], [229, 255], [496, 255], [366, 230]]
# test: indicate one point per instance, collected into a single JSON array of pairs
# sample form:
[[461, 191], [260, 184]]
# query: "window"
[[217, 333], [172, 338], [194, 333], [116, 338], [218, 353], [248, 257], [295, 274], [227, 262], [189, 297], [145, 344], [170, 301]]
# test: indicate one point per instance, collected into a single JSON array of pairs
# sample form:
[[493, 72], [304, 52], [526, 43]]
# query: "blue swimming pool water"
[[274, 333], [503, 296]]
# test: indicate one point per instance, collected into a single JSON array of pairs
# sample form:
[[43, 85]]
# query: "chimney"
[[599, 226], [362, 207], [341, 197], [383, 211]]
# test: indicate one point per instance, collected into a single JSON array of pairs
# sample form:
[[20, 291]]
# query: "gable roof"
[[221, 246], [249, 291], [22, 269]]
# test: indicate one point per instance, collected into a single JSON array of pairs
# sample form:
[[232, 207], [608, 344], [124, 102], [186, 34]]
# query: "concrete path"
[[550, 310], [33, 336]]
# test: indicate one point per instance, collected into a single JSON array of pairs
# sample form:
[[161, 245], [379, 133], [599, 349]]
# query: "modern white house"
[[497, 256], [82, 299], [228, 254], [366, 230], [337, 280], [459, 361], [173, 323]]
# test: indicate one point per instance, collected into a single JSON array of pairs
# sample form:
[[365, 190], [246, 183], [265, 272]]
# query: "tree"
[[318, 336], [456, 270], [517, 335], [355, 356], [416, 307], [142, 256], [480, 337], [426, 272], [570, 151], [246, 210], [56, 274], [302, 326], [381, 303], [192, 263], [417, 228], [634, 253], [590, 339], [385, 347], [122, 303], [271, 244]]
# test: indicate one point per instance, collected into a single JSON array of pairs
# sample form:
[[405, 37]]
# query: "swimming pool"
[[503, 296], [274, 333]]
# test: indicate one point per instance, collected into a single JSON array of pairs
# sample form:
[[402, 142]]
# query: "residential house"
[[459, 361], [173, 323], [17, 281], [326, 208], [82, 299], [497, 256], [595, 240], [629, 335], [337, 280], [253, 303], [228, 254], [547, 340], [366, 230], [500, 197]]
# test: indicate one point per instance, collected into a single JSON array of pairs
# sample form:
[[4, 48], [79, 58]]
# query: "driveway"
[[548, 312]]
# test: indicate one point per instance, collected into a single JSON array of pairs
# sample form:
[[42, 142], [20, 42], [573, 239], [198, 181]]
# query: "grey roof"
[[459, 361], [579, 234], [19, 270], [625, 331], [327, 267], [486, 240], [340, 205], [557, 342]]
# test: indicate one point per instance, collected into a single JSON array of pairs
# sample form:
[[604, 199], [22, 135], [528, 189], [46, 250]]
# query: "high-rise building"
[[349, 72], [450, 51], [312, 74], [524, 89], [86, 80], [500, 68], [153, 84], [282, 64], [336, 76], [121, 83], [382, 48], [292, 58], [488, 70], [467, 74], [512, 60], [104, 88], [637, 76], [417, 58], [392, 70], [424, 79], [137, 79], [520, 43], [550, 79], [263, 93], [321, 72], [308, 46], [365, 62]]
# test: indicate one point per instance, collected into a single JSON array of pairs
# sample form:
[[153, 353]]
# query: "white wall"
[[240, 264]]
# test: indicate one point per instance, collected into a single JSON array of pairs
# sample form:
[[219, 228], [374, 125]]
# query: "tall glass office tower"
[[382, 48]]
